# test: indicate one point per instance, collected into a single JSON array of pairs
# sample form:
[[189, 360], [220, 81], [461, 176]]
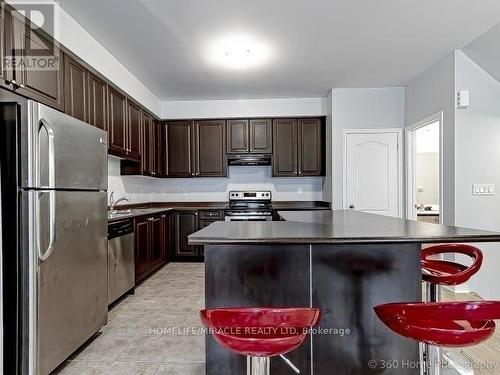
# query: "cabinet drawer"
[[211, 215]]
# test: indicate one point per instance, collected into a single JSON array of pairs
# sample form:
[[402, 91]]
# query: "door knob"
[[351, 206]]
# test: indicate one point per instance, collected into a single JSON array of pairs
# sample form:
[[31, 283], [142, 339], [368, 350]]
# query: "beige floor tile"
[[104, 347], [82, 368], [156, 330], [181, 369]]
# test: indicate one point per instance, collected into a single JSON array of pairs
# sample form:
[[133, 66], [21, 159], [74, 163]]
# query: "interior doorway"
[[424, 170]]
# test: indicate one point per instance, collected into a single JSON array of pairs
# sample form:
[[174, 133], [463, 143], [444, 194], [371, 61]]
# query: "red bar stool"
[[450, 324], [437, 272], [260, 333]]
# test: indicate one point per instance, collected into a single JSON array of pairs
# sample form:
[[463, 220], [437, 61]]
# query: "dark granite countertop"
[[145, 209], [336, 227]]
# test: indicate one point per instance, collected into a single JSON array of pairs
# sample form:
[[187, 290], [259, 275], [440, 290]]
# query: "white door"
[[372, 175]]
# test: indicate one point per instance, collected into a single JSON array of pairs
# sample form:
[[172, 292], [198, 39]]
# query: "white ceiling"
[[316, 44], [485, 51]]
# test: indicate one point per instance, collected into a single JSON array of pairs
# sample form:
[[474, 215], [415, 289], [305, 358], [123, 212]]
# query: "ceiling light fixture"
[[238, 52]]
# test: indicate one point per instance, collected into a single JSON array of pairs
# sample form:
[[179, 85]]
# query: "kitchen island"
[[343, 262]]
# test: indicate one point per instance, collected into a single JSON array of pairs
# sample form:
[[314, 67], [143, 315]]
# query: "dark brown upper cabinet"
[[149, 141], [311, 148], [237, 136], [178, 138], [41, 78], [75, 89], [97, 102], [261, 136], [6, 30], [298, 147], [254, 136], [134, 118], [117, 122], [285, 148], [210, 148]]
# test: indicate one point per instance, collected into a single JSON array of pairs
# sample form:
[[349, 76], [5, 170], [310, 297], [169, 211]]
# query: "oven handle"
[[249, 218]]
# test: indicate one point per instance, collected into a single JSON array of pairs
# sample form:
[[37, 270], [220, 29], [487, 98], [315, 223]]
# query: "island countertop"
[[342, 226]]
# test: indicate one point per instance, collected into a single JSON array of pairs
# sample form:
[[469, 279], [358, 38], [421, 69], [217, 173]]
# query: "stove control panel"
[[250, 195]]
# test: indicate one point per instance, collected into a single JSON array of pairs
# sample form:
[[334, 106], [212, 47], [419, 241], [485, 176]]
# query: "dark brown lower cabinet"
[[186, 223], [142, 235], [153, 243]]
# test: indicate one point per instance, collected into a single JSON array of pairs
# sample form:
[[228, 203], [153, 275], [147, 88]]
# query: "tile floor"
[[146, 332]]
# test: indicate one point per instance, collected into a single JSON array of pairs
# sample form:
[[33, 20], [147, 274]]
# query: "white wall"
[[427, 178], [478, 161], [358, 109], [80, 42], [432, 92], [244, 108], [145, 189]]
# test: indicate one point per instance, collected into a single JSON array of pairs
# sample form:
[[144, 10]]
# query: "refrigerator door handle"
[[43, 256], [51, 153]]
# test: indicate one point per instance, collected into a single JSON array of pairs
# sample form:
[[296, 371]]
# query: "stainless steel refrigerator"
[[54, 227]]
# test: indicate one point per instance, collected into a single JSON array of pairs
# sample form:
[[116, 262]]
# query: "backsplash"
[[146, 189]]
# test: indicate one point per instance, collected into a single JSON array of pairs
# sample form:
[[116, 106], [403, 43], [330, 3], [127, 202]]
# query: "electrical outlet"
[[483, 189]]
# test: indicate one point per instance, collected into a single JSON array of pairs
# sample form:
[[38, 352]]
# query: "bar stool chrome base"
[[258, 365]]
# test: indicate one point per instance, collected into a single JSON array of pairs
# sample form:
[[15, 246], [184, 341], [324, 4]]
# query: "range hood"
[[247, 159]]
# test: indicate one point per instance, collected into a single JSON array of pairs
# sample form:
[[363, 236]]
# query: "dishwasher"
[[121, 268]]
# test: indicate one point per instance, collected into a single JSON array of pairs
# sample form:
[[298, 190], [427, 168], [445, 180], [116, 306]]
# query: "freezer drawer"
[[69, 249], [62, 152]]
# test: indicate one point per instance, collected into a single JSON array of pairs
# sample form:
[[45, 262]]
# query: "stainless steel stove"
[[249, 206]]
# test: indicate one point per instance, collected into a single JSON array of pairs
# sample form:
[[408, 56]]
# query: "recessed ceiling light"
[[238, 52]]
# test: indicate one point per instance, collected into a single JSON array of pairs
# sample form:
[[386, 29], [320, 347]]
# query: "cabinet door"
[[168, 237], [117, 122], [97, 102], [310, 147], [158, 149], [142, 235], [157, 237], [186, 223], [147, 138], [178, 137], [134, 114], [75, 89], [261, 136], [6, 29], [285, 147], [237, 137], [210, 150], [40, 77]]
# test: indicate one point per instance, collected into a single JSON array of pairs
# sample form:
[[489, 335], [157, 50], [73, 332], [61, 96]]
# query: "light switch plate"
[[483, 189]]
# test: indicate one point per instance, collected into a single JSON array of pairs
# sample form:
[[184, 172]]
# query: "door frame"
[[399, 132], [410, 164]]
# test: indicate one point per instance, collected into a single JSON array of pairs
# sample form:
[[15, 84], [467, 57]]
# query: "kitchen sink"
[[119, 212]]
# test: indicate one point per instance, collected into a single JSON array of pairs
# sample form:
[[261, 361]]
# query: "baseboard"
[[463, 288]]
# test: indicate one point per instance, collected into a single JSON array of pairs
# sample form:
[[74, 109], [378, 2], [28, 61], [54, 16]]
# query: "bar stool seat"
[[260, 332], [450, 324], [442, 272]]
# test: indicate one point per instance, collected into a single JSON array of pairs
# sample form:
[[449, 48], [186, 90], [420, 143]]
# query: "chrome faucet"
[[113, 203]]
